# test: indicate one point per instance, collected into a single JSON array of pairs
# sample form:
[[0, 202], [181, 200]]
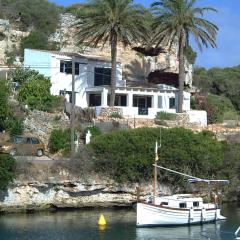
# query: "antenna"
[[160, 137]]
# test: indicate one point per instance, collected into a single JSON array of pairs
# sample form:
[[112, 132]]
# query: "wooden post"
[[155, 173], [72, 122]]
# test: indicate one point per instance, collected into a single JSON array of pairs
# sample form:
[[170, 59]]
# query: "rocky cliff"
[[136, 66], [49, 185], [10, 38]]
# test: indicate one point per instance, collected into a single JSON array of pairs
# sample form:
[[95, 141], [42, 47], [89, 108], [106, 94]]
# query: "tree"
[[5, 111], [176, 20], [111, 21], [7, 170]]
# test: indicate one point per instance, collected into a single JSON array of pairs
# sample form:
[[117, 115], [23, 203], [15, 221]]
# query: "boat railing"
[[237, 236]]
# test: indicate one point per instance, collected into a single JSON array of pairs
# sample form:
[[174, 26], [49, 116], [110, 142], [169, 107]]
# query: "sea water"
[[82, 224]]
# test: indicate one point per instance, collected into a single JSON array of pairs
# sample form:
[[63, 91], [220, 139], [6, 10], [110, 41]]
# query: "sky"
[[227, 19]]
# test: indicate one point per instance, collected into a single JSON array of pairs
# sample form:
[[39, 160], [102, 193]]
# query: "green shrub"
[[35, 92], [165, 116], [115, 115], [22, 75], [7, 167], [60, 139], [5, 111], [37, 40], [215, 106], [14, 125], [57, 118], [94, 130], [128, 155]]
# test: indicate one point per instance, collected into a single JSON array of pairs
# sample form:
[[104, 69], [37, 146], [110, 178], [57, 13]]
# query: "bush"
[[4, 106], [22, 75], [60, 139], [115, 115], [128, 155], [37, 40], [35, 92], [165, 116], [7, 167], [94, 130], [14, 126], [216, 107], [220, 81]]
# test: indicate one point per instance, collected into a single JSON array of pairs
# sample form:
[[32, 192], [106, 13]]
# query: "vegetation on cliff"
[[218, 108], [219, 81], [34, 90], [7, 170], [8, 119], [129, 155]]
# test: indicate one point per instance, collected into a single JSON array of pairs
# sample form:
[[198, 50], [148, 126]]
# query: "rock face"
[[63, 190], [9, 39], [136, 67], [41, 124]]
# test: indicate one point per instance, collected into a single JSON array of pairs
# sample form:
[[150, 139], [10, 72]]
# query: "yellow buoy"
[[102, 221]]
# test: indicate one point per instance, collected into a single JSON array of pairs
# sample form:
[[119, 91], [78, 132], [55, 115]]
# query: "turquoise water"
[[82, 224]]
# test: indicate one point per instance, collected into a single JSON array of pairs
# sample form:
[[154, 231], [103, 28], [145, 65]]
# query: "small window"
[[160, 102], [182, 205], [66, 67], [120, 100], [172, 103], [94, 100], [196, 204], [28, 140], [35, 141], [102, 76], [77, 68], [16, 139], [164, 203], [149, 102]]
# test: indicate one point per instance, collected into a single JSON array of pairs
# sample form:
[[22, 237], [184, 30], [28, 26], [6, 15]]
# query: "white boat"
[[178, 209]]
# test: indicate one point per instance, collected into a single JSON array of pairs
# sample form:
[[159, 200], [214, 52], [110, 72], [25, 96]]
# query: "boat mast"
[[155, 172]]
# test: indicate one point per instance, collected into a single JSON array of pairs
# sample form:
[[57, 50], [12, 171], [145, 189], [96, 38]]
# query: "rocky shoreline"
[[36, 196]]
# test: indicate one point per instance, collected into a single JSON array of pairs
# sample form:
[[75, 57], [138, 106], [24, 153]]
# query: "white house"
[[92, 80]]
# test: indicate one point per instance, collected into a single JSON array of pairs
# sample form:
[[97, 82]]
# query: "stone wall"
[[41, 124]]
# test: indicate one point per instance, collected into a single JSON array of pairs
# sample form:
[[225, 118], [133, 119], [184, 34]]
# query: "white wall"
[[199, 117], [61, 81]]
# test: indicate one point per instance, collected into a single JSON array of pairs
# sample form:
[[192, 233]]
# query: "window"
[[102, 76], [16, 139], [77, 68], [172, 104], [160, 102], [182, 205], [120, 100], [35, 141], [196, 204], [66, 67], [94, 100]]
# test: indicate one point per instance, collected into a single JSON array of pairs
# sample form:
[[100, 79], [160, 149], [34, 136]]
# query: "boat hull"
[[151, 215]]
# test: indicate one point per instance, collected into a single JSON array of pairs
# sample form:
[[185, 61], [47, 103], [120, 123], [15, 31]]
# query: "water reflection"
[[197, 232], [121, 225]]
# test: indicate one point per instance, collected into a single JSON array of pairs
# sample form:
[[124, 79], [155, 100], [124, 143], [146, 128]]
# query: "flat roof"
[[77, 55]]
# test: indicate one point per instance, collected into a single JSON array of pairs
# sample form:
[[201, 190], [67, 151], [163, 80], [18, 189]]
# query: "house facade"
[[92, 84]]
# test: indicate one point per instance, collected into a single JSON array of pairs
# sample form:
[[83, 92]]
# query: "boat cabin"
[[186, 201]]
